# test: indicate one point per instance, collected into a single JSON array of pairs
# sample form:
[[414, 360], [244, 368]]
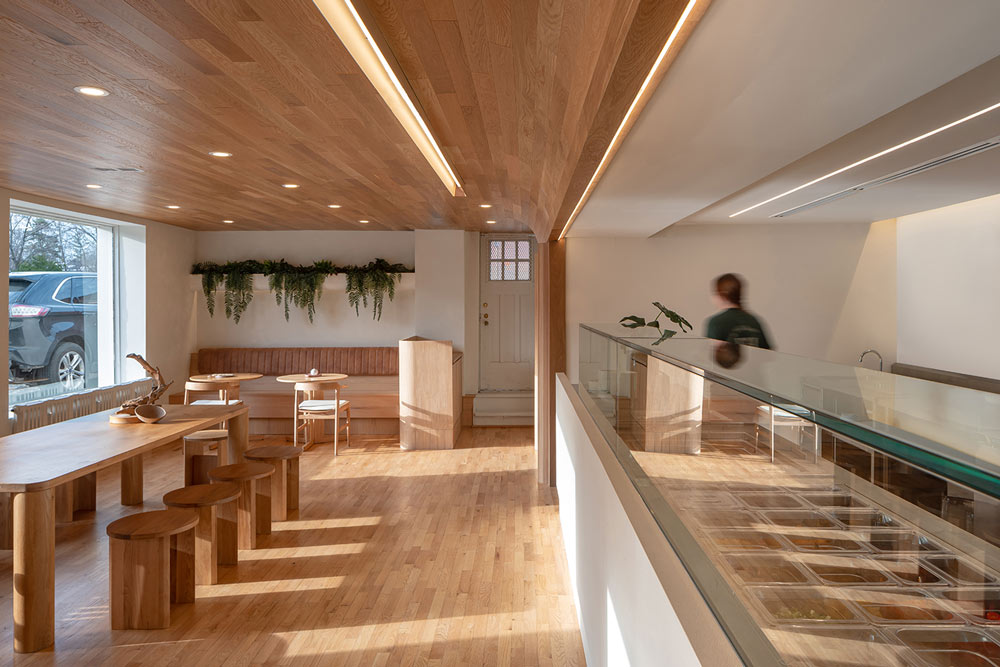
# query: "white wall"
[[824, 291], [335, 324], [949, 270], [171, 305]]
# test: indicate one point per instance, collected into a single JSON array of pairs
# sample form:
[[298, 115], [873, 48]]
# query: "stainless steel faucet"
[[861, 359]]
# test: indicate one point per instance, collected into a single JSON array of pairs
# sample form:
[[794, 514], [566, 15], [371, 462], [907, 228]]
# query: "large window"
[[60, 303]]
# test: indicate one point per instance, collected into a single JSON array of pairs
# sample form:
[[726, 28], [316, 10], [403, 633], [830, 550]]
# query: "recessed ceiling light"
[[220, 154], [172, 206], [491, 222], [91, 91], [486, 206], [94, 186], [228, 222], [363, 222], [891, 149], [289, 185], [333, 205]]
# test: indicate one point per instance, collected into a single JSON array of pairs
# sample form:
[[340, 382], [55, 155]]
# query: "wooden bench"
[[372, 388]]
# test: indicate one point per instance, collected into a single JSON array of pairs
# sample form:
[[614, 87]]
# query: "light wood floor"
[[395, 558]]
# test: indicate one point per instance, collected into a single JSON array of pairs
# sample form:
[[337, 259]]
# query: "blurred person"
[[733, 324]]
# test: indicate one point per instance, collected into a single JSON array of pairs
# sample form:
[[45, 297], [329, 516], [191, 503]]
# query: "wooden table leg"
[[264, 504], [292, 485], [132, 481], [85, 493], [6, 521], [64, 502], [239, 438], [34, 570], [206, 551], [226, 533], [182, 567]]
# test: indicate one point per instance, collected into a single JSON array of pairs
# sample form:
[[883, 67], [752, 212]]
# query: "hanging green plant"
[[239, 294], [301, 286], [374, 281], [210, 281]]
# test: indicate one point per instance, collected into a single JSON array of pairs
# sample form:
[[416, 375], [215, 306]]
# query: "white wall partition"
[[626, 615]]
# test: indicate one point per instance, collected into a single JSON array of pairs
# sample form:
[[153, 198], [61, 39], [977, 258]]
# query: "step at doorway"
[[503, 408]]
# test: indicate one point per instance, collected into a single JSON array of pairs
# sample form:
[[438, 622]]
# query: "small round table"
[[230, 378], [295, 378]]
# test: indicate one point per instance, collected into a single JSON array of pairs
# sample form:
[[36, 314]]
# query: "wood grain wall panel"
[[515, 91]]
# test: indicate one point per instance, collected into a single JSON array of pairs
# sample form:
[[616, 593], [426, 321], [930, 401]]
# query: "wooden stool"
[[152, 565], [253, 509], [197, 460], [285, 481], [215, 535]]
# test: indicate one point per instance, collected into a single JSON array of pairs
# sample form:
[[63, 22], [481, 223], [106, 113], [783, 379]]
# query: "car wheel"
[[67, 367]]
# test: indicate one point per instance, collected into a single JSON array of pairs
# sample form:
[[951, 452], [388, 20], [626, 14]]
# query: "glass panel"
[[496, 250], [523, 249], [52, 303], [819, 517], [496, 271], [523, 271], [509, 269], [88, 294], [64, 292], [509, 249]]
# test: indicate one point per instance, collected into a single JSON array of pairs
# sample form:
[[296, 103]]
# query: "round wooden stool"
[[152, 565], [285, 482], [253, 508], [197, 459], [215, 535]]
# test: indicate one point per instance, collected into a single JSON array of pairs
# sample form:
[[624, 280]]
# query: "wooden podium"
[[430, 394]]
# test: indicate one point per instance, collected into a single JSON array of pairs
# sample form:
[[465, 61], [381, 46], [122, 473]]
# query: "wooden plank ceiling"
[[520, 93]]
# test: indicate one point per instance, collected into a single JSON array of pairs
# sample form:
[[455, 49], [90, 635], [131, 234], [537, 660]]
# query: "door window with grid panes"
[[510, 260]]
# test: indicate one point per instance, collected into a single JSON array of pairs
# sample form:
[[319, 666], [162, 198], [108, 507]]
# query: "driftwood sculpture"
[[159, 387]]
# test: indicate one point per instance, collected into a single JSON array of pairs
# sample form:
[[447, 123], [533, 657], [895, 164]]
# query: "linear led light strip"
[[873, 157], [628, 115], [350, 28]]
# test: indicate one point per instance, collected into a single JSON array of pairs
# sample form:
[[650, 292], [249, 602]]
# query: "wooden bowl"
[[150, 414], [123, 418]]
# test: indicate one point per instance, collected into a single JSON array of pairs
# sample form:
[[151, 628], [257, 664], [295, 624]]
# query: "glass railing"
[[830, 515]]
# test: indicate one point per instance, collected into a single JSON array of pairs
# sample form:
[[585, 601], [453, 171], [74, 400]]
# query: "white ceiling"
[[762, 84]]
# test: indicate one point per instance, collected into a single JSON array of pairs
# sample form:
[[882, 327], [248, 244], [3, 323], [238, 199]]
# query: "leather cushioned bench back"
[[288, 360]]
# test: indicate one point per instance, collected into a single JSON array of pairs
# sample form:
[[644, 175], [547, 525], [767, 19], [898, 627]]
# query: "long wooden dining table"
[[34, 463]]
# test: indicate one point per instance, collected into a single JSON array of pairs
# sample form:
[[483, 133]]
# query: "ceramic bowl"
[[150, 414]]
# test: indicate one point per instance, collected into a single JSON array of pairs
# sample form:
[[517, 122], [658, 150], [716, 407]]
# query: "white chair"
[[311, 406]]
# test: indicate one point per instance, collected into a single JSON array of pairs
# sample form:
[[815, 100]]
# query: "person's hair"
[[727, 355], [730, 288]]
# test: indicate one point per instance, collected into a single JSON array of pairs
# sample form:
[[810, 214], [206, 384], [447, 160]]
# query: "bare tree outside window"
[[41, 244]]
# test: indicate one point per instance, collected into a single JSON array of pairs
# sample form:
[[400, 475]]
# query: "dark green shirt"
[[735, 325]]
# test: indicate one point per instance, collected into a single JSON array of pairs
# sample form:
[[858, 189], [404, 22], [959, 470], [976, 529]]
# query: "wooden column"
[[550, 349], [34, 570]]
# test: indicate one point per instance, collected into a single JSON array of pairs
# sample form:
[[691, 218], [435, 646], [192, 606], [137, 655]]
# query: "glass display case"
[[829, 514]]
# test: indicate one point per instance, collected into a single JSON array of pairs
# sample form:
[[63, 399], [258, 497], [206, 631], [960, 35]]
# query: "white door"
[[507, 312]]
